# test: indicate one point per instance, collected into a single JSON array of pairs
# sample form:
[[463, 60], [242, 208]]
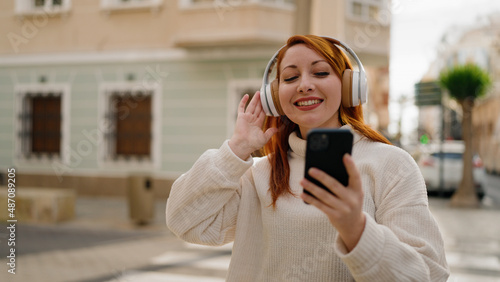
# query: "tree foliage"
[[465, 81]]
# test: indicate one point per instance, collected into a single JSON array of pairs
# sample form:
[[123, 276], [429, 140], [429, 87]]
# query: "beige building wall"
[[486, 124], [91, 26], [208, 35], [369, 37], [486, 113], [88, 26]]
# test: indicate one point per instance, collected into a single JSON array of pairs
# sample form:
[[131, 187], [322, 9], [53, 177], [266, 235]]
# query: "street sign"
[[427, 93]]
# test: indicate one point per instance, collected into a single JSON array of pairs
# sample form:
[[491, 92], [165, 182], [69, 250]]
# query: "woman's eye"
[[288, 79], [322, 73]]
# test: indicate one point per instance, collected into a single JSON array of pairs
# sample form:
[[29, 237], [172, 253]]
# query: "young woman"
[[377, 228]]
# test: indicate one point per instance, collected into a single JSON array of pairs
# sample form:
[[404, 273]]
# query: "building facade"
[[95, 91]]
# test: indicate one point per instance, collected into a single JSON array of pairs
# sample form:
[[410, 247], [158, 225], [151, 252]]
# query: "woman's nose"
[[305, 85]]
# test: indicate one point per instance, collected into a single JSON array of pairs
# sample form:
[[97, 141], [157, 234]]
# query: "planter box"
[[48, 205]]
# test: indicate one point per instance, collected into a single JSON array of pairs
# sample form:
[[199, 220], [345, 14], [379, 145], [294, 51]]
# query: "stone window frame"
[[22, 148], [107, 156], [118, 5], [231, 4]]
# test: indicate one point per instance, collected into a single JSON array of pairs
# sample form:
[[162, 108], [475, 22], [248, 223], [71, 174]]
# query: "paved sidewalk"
[[472, 241], [492, 189], [101, 244]]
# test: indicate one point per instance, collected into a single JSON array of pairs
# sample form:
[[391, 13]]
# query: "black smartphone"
[[325, 149]]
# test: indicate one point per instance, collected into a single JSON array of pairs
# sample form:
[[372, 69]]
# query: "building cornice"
[[92, 57], [174, 54]]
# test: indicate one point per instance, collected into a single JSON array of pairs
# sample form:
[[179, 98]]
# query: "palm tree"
[[465, 83]]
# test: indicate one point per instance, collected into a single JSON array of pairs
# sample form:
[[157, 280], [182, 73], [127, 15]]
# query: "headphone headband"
[[268, 105], [354, 84]]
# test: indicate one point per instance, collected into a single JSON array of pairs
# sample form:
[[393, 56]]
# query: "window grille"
[[41, 120], [130, 114]]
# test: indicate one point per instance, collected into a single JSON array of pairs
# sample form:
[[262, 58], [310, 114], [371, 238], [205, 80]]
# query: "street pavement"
[[102, 244], [472, 240], [491, 186]]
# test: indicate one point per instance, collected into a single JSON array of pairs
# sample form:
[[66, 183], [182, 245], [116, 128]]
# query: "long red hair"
[[277, 148]]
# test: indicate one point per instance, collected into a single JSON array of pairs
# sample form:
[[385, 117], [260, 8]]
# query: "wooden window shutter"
[[133, 125], [46, 124]]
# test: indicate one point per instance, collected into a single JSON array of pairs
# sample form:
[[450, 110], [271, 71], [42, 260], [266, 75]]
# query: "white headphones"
[[354, 84]]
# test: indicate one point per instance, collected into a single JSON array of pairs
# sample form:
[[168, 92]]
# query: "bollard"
[[140, 199]]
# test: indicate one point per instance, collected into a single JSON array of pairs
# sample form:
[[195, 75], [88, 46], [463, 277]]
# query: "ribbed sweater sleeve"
[[401, 242], [203, 203]]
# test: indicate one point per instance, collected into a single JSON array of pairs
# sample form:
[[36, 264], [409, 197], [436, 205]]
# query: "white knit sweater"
[[223, 199]]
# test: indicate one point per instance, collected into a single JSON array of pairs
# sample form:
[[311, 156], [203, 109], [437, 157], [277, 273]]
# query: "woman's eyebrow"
[[289, 66], [318, 61], [312, 64]]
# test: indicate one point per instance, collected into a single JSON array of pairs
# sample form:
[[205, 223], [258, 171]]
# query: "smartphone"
[[325, 150]]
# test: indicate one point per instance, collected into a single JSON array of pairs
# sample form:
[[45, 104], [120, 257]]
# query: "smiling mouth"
[[308, 102]]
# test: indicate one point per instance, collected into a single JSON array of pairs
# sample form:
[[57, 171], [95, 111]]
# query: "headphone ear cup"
[[355, 89], [275, 96], [269, 99], [347, 88], [363, 88]]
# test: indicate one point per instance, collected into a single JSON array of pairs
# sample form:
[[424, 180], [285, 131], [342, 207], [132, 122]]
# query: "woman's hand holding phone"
[[248, 135], [342, 204]]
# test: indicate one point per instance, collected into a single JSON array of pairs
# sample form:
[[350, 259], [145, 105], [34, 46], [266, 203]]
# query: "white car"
[[452, 155]]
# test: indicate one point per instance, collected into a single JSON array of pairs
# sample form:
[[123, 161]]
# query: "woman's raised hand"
[[248, 135]]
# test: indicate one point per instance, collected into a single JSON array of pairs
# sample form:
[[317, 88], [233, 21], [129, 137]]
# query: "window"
[[41, 124], [364, 10], [447, 155], [45, 124], [236, 90], [131, 116], [47, 3], [33, 7], [131, 130]]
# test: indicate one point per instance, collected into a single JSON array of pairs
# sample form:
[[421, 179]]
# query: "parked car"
[[452, 155]]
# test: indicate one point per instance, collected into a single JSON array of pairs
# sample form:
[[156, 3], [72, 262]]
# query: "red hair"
[[277, 148]]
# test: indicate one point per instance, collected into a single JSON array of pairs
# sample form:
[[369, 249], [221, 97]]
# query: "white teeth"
[[308, 103]]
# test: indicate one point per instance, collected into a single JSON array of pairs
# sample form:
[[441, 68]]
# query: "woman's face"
[[309, 89]]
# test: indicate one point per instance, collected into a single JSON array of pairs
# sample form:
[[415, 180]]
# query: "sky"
[[416, 29]]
